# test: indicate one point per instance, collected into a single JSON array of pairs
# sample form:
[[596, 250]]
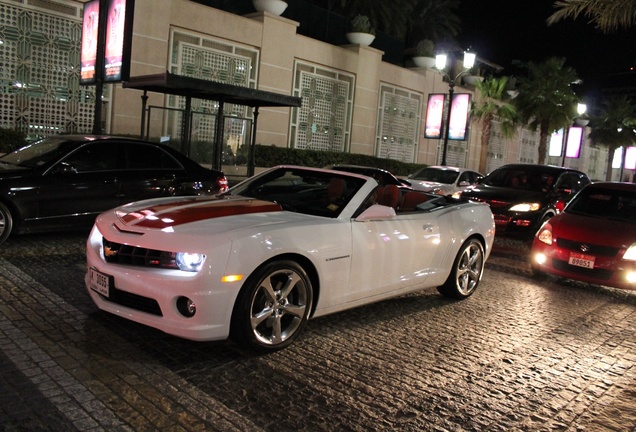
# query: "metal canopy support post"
[[185, 133], [220, 126], [251, 165], [144, 107]]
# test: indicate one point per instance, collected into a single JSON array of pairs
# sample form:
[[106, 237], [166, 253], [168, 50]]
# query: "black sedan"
[[64, 181], [523, 196]]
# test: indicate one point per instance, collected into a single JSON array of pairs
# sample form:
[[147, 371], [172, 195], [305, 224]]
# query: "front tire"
[[466, 273], [272, 307], [6, 223]]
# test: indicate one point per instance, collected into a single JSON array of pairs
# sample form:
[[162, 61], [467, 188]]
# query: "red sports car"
[[593, 240]]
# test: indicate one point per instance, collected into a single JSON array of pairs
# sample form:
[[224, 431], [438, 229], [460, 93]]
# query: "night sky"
[[502, 31]]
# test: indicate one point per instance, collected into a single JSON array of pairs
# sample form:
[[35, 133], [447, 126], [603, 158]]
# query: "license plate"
[[581, 260], [100, 282]]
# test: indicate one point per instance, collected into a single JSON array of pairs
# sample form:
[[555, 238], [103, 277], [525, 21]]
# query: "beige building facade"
[[352, 101]]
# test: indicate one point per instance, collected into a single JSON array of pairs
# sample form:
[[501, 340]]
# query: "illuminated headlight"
[[457, 194], [525, 207], [191, 262], [545, 234], [630, 254]]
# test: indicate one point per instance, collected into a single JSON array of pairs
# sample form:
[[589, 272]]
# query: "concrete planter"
[[424, 62], [360, 38], [276, 7]]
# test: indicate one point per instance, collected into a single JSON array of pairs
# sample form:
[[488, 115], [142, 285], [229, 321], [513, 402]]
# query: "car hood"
[[171, 213], [504, 195], [429, 184], [594, 230]]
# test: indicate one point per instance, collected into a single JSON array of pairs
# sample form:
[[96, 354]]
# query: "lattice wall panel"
[[199, 57], [323, 116], [529, 151], [398, 125], [39, 73]]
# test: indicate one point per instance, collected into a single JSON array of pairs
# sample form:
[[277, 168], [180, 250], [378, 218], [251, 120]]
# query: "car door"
[[392, 254], [82, 185], [150, 172]]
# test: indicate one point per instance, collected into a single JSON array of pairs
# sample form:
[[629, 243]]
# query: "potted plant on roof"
[[424, 54], [472, 77], [362, 32], [277, 7]]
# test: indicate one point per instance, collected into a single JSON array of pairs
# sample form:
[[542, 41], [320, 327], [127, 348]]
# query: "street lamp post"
[[440, 64]]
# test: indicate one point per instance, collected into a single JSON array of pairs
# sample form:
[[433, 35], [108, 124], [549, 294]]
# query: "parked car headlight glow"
[[630, 254], [525, 207], [191, 262]]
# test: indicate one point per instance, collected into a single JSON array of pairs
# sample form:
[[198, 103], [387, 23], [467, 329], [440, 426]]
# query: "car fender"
[[327, 246]]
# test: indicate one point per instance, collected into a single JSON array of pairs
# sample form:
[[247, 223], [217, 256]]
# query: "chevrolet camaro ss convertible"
[[292, 243]]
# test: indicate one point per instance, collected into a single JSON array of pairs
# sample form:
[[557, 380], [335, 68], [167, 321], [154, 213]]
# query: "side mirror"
[[64, 168], [376, 212]]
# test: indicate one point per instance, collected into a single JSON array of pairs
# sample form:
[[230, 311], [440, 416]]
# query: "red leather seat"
[[410, 200], [389, 196]]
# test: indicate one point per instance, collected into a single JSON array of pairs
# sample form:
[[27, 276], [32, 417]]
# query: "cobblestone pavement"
[[519, 355]]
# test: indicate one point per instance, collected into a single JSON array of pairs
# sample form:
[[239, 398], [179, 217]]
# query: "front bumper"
[[608, 271], [149, 296]]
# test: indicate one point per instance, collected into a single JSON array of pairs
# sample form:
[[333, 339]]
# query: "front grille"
[[590, 249], [600, 274], [118, 253], [133, 301]]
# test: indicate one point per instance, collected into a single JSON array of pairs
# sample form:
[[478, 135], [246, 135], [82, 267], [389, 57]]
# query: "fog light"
[[540, 258], [631, 276], [186, 307]]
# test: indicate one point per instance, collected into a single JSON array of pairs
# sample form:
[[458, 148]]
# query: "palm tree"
[[546, 99], [495, 106], [607, 15], [614, 127]]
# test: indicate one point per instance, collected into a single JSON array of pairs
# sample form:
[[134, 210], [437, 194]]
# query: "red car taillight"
[[223, 184]]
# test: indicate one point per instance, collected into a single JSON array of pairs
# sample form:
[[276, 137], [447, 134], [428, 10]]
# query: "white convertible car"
[[287, 245]]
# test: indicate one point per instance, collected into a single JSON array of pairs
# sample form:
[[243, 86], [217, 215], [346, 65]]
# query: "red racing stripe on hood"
[[186, 211]]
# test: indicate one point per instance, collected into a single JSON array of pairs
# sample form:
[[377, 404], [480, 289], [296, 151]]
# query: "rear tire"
[[6, 223], [466, 273], [272, 307]]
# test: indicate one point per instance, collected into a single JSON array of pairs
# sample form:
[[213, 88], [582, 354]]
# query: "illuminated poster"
[[434, 115], [575, 138], [556, 143], [117, 45], [630, 158], [90, 38], [458, 128]]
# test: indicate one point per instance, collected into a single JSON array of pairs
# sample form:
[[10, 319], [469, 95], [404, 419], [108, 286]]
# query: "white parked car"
[[287, 245], [443, 180]]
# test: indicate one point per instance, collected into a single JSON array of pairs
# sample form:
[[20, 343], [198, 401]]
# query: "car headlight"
[[525, 207], [630, 253], [191, 262], [545, 234]]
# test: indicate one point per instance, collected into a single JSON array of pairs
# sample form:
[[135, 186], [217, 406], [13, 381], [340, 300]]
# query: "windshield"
[[436, 175], [37, 154], [524, 178], [605, 203], [303, 191]]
